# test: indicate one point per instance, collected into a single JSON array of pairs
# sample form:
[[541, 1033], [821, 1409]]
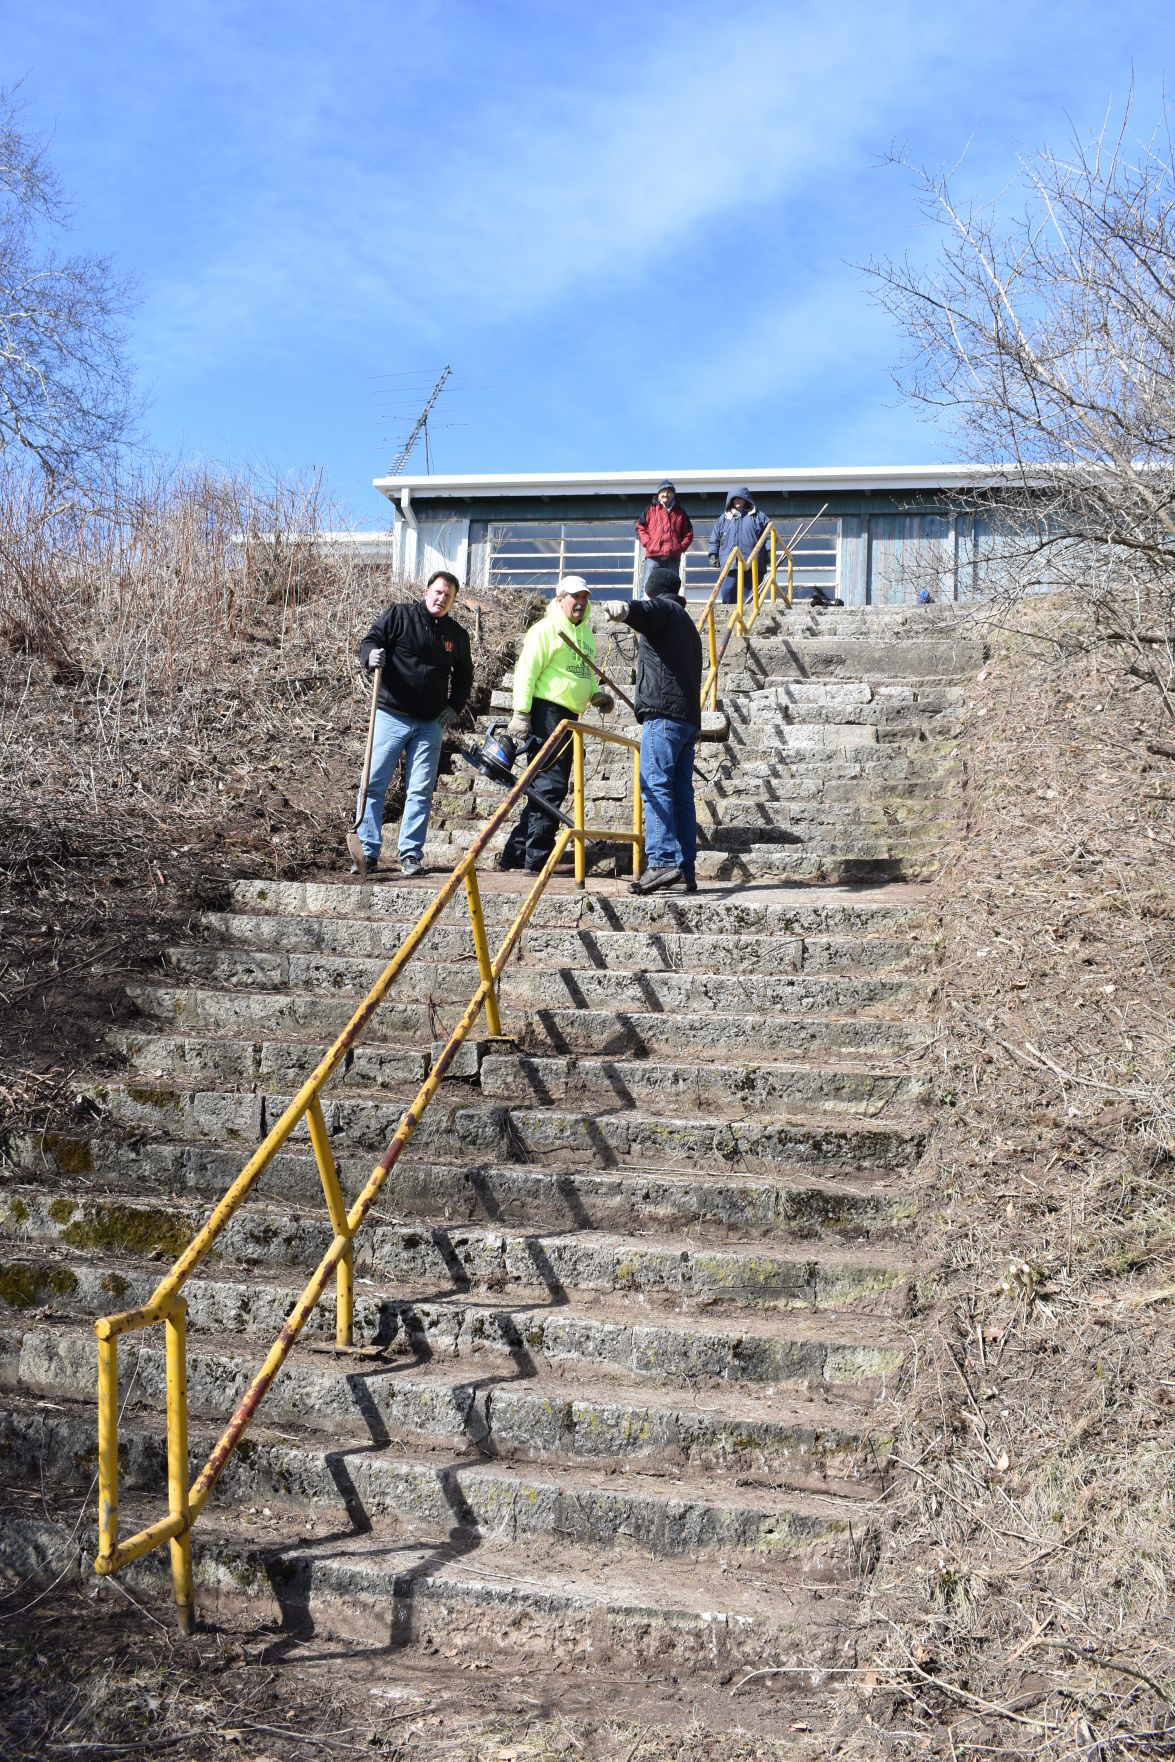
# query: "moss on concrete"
[[131, 1230], [72, 1156], [27, 1287]]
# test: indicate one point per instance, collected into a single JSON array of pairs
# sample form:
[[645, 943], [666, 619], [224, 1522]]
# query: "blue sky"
[[630, 228]]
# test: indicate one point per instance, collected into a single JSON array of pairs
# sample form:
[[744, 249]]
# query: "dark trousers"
[[533, 837]]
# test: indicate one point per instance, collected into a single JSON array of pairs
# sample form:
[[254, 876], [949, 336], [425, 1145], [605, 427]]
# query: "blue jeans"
[[667, 791], [420, 742], [652, 563]]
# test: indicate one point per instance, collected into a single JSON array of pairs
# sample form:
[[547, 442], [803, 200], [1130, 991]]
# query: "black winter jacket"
[[669, 658], [427, 663]]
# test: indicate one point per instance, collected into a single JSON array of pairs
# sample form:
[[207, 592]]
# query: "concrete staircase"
[[842, 734], [631, 1299]]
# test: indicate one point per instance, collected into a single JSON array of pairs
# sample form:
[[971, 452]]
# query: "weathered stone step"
[[888, 834], [868, 768], [733, 911], [856, 658], [585, 1335], [769, 804], [487, 1602], [587, 987], [515, 1194], [814, 1274], [448, 839], [624, 950], [457, 1124], [606, 1084], [359, 1486], [639, 1033], [862, 859]]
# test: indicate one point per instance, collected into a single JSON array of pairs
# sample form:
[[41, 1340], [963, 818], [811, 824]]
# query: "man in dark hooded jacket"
[[669, 709], [739, 527]]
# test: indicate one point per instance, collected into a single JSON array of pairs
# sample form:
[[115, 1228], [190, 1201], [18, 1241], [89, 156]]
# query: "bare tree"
[[1044, 333], [65, 386]]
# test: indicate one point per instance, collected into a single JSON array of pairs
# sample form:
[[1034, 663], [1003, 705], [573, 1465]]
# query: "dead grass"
[[179, 704], [1024, 1593]]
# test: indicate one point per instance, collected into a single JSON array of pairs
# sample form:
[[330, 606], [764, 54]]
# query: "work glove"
[[448, 717], [603, 701], [518, 727], [375, 661], [616, 611]]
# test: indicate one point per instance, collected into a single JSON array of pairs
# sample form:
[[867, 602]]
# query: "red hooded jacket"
[[665, 532]]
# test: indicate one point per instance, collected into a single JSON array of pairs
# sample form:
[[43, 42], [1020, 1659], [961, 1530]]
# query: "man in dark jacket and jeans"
[[669, 709], [426, 674]]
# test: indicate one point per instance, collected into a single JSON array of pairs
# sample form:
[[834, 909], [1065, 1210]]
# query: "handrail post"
[[755, 582], [577, 773], [336, 1207], [739, 607], [107, 1448], [789, 578], [482, 948], [712, 633], [638, 814], [774, 560], [177, 1462]]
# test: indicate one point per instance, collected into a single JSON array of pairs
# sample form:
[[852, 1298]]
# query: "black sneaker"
[[410, 866], [507, 860], [655, 880]]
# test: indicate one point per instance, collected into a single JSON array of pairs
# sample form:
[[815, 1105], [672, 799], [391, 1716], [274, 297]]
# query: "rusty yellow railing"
[[186, 1499], [741, 622]]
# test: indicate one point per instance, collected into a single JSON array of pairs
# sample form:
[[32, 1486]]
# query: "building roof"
[[437, 486]]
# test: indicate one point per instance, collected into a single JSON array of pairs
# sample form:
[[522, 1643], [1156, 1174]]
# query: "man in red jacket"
[[665, 531]]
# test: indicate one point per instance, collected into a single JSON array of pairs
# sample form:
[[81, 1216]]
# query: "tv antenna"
[[421, 427]]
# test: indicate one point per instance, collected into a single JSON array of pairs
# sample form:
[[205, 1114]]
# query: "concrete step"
[[356, 1484], [533, 986], [815, 1275], [657, 1342], [622, 950], [543, 1604], [827, 655], [644, 1033], [733, 911], [460, 1123], [805, 1440], [838, 1200], [605, 1084]]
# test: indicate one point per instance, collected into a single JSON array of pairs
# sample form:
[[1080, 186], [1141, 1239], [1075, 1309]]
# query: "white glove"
[[603, 701], [616, 611], [375, 661], [518, 727], [448, 717]]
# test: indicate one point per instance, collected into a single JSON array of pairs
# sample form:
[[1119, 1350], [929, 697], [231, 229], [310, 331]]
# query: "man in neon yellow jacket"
[[550, 682]]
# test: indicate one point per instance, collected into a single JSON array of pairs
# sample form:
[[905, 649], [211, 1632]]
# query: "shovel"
[[353, 843]]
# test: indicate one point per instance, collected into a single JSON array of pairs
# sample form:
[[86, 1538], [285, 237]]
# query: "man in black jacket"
[[426, 674], [669, 709]]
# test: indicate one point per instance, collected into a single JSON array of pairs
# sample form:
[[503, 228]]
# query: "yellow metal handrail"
[[187, 1499]]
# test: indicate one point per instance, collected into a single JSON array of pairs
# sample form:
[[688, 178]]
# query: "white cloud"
[[498, 208]]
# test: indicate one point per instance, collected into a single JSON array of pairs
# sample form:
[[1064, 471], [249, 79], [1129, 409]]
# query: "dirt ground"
[[1023, 1589], [99, 1673]]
